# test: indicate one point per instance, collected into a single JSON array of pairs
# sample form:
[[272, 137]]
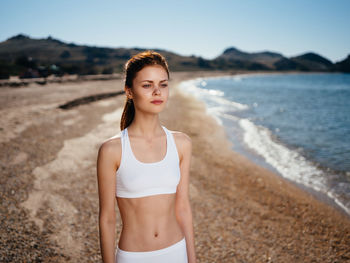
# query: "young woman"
[[145, 170]]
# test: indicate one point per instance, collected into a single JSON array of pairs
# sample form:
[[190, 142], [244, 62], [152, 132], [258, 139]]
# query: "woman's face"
[[150, 89]]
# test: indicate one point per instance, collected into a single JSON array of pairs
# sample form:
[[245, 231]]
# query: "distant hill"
[[28, 57], [264, 60], [344, 65], [306, 62], [274, 61]]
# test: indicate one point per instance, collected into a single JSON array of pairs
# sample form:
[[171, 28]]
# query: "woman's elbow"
[[107, 220], [184, 211]]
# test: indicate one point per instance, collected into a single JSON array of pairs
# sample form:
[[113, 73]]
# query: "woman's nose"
[[156, 89]]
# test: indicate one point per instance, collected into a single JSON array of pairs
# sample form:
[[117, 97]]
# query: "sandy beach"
[[49, 204]]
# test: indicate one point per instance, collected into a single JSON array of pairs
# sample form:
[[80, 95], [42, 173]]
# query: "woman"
[[145, 169]]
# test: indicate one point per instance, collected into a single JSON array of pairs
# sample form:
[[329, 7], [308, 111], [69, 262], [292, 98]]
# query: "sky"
[[201, 28]]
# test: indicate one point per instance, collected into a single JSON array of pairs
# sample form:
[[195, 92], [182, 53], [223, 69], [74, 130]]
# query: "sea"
[[295, 124]]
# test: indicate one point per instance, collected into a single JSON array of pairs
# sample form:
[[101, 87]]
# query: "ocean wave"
[[210, 95], [290, 163], [235, 105], [192, 87]]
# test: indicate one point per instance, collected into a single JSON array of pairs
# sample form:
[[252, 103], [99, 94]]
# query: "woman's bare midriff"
[[149, 223]]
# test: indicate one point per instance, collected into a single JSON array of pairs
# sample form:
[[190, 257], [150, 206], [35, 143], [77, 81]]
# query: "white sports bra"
[[138, 179]]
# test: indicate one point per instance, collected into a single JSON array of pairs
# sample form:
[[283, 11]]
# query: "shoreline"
[[258, 159], [241, 211]]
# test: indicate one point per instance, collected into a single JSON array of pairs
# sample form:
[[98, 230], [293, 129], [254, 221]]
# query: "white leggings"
[[175, 253]]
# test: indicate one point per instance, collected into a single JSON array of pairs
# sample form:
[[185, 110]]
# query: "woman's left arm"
[[183, 206]]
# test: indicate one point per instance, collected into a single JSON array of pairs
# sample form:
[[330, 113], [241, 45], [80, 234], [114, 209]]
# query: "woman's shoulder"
[[182, 139], [181, 136], [111, 146]]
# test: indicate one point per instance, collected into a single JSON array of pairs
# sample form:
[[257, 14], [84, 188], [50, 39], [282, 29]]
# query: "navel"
[[155, 234]]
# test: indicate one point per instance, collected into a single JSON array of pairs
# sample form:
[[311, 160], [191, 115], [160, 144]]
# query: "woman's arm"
[[183, 207], [106, 190]]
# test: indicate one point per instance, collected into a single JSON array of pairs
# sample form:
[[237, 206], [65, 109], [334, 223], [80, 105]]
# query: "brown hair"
[[132, 66]]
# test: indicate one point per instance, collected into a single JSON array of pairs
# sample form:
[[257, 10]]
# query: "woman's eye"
[[146, 86], [164, 85]]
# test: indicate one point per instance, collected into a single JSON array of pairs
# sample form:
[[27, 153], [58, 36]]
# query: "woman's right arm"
[[106, 167]]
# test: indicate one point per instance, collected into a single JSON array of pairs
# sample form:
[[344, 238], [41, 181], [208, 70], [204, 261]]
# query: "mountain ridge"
[[29, 57]]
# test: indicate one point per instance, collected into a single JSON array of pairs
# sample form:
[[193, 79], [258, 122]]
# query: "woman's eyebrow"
[[152, 80]]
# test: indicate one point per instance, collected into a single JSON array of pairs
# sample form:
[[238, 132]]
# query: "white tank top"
[[138, 179]]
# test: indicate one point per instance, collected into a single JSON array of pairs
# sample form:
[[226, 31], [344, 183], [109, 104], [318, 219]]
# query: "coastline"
[[241, 148], [242, 212]]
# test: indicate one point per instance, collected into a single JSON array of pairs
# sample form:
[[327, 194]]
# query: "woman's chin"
[[157, 108], [154, 111]]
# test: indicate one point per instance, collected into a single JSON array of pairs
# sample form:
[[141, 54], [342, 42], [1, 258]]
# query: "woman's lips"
[[156, 101]]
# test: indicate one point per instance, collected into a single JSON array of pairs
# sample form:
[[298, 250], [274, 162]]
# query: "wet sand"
[[49, 203]]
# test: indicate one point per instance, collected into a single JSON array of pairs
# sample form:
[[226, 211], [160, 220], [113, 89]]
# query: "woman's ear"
[[128, 92]]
